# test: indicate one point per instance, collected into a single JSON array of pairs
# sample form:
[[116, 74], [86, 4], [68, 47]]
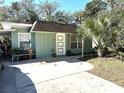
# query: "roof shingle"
[[44, 26]]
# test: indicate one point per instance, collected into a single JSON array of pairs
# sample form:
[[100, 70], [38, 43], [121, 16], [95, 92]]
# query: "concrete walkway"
[[42, 72], [56, 77]]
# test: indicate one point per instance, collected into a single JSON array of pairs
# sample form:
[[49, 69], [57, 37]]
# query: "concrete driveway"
[[56, 77]]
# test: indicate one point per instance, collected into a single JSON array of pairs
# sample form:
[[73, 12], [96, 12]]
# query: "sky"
[[67, 5]]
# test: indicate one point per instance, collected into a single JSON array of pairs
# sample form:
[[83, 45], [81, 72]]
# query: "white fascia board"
[[9, 25], [33, 26], [41, 32], [7, 30], [47, 32]]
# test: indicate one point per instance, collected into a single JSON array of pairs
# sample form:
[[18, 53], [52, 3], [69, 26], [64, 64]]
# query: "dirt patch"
[[109, 68]]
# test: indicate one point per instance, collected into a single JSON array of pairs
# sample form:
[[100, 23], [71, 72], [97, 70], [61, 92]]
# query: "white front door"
[[60, 44]]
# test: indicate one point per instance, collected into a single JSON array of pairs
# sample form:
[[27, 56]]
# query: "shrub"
[[68, 53], [53, 55]]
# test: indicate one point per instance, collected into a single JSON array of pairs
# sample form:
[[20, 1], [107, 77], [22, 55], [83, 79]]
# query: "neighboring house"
[[45, 38]]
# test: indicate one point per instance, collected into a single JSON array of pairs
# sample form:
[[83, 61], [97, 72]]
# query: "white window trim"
[[19, 37], [77, 41]]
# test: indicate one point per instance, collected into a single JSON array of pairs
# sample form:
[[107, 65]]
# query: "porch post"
[[82, 47]]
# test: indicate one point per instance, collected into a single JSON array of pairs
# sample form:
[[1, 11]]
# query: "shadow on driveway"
[[12, 80], [71, 59]]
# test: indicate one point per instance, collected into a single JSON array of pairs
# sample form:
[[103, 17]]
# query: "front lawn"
[[109, 68]]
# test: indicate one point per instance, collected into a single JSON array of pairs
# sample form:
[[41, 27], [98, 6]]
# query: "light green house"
[[46, 38]]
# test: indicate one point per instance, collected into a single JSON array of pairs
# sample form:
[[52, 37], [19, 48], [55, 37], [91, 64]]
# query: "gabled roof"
[[43, 26]]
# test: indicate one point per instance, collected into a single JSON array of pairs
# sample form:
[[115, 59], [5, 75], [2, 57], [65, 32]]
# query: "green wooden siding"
[[45, 43], [33, 41], [67, 41], [88, 46], [14, 37]]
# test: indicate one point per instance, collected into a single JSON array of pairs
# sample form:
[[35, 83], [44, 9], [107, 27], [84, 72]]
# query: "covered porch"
[[15, 37]]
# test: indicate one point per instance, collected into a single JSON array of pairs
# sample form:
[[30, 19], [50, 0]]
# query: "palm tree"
[[84, 32], [98, 29]]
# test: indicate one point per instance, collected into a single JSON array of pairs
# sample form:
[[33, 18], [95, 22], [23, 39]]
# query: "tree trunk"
[[101, 53]]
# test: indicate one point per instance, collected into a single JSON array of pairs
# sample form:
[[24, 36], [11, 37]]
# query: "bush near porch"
[[109, 68]]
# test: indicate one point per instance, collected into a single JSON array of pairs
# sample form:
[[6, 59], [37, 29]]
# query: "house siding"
[[88, 46], [33, 41], [44, 44], [14, 37], [67, 42]]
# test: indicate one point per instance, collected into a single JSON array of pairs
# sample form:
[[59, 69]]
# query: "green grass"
[[109, 68]]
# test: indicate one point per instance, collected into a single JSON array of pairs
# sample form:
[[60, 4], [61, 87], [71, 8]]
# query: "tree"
[[2, 1], [49, 8], [78, 17], [32, 16], [98, 29], [63, 17], [15, 10], [118, 25], [93, 8], [12, 13], [106, 31], [105, 28], [15, 6], [28, 4], [30, 10], [22, 11], [111, 3], [1, 13]]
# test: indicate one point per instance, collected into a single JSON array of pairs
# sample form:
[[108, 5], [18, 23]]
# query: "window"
[[24, 40], [76, 42]]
